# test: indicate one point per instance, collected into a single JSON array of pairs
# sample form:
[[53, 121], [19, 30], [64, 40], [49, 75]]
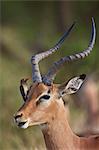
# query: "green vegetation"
[[28, 28]]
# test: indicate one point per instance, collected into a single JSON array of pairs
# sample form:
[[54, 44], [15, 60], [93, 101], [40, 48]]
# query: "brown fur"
[[53, 119]]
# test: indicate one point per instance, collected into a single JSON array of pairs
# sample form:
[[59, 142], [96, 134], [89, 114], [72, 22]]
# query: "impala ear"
[[24, 88], [72, 86]]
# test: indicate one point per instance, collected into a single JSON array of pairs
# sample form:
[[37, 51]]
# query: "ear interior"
[[72, 86], [24, 88]]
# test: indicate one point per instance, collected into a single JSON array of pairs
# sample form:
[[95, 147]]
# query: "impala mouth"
[[23, 125]]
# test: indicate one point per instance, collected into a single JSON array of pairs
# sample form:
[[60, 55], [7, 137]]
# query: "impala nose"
[[17, 117], [21, 121]]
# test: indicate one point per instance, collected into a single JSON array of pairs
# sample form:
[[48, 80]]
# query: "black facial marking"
[[83, 76]]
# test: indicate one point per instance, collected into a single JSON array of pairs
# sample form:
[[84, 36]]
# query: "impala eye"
[[44, 97]]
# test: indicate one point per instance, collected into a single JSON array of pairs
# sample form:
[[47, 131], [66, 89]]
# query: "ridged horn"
[[57, 65], [36, 76]]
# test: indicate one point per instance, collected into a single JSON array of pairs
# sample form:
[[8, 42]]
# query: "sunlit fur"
[[52, 116], [44, 111]]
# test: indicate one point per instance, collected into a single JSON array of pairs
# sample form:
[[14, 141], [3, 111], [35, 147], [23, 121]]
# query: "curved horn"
[[57, 65], [36, 76]]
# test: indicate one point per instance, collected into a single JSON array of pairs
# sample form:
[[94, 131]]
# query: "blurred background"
[[29, 27]]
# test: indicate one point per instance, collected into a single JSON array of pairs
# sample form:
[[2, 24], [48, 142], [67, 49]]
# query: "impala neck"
[[57, 133]]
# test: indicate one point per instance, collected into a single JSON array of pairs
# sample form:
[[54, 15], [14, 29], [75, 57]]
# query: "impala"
[[44, 105]]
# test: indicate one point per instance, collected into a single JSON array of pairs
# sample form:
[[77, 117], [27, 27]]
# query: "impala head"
[[42, 98]]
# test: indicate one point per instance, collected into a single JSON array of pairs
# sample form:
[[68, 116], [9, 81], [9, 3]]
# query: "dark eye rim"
[[42, 98], [45, 97]]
